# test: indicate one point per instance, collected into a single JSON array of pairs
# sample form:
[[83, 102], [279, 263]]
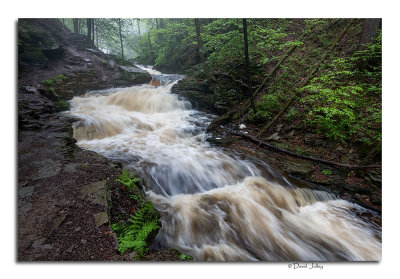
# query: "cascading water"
[[217, 205]]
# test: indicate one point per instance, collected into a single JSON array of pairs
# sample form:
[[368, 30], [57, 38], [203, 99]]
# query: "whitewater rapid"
[[217, 205]]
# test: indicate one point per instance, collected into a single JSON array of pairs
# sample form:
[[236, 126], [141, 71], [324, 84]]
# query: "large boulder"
[[197, 93], [133, 75]]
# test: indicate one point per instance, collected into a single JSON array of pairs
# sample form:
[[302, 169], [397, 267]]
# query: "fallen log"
[[278, 149]]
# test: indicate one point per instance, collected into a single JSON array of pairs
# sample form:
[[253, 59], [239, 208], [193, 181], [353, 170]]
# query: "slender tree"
[[199, 41], [93, 30], [138, 27], [80, 25], [247, 66], [97, 34], [120, 38], [76, 25], [89, 28]]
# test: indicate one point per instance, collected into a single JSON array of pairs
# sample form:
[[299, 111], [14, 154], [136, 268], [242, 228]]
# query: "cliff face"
[[41, 40], [61, 65]]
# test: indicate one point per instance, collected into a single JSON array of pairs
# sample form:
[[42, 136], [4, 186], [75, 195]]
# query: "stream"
[[215, 204]]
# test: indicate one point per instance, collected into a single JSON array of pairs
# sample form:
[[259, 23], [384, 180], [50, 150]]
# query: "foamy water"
[[216, 205]]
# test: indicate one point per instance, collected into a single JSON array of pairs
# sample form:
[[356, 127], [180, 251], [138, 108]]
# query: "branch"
[[274, 148]]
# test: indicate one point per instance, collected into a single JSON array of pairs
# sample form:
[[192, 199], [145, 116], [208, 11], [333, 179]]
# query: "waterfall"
[[217, 205]]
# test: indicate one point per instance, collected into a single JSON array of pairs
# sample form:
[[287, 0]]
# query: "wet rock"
[[96, 192], [30, 89], [71, 168], [274, 137], [42, 169], [24, 207], [117, 75], [313, 139], [111, 64], [38, 242], [135, 75], [25, 192], [59, 220], [100, 218], [296, 167], [104, 78], [199, 94], [46, 246]]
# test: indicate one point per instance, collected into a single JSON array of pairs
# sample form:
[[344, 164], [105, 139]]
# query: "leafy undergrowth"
[[138, 222]]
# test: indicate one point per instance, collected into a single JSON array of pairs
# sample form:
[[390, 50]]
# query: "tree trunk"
[[97, 35], [120, 39], [157, 24], [138, 27], [149, 39], [199, 40], [93, 31], [76, 25], [89, 28], [246, 90], [80, 25], [370, 30]]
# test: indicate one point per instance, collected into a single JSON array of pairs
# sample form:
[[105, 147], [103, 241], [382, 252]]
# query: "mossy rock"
[[33, 56]]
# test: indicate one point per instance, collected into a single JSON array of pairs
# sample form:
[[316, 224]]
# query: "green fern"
[[140, 230], [128, 179]]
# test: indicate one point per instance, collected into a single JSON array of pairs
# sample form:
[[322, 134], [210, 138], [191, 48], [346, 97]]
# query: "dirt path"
[[62, 215]]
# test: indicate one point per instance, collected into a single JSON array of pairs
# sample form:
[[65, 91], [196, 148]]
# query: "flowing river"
[[215, 204]]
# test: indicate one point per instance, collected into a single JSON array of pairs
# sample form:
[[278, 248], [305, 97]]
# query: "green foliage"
[[185, 257], [268, 105], [292, 114], [128, 179], [139, 230], [327, 172], [61, 105], [48, 82], [346, 99]]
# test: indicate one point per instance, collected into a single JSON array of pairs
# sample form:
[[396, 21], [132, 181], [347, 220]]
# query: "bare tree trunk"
[[97, 35], [93, 31], [89, 28], [157, 24], [247, 66], [120, 38], [199, 40], [80, 25], [138, 27], [76, 25], [148, 37], [370, 30]]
